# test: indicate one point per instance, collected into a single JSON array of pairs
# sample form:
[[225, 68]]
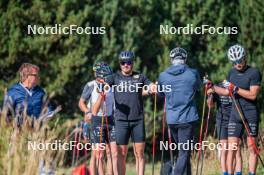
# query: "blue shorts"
[[103, 133]]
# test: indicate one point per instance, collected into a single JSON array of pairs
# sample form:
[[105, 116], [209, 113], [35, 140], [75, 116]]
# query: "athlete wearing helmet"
[[102, 70], [129, 111], [178, 56], [243, 81], [181, 111], [224, 106], [97, 103], [236, 54], [126, 56]]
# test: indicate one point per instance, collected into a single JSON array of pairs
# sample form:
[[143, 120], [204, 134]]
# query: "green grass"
[[16, 160]]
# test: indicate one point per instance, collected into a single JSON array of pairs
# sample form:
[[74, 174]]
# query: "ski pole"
[[75, 140], [214, 133], [171, 153], [208, 118], [154, 132], [79, 139], [108, 132], [205, 135], [219, 134], [163, 134], [257, 151], [201, 129], [86, 135]]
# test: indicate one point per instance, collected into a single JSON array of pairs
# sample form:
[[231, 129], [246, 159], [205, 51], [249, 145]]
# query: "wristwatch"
[[88, 112]]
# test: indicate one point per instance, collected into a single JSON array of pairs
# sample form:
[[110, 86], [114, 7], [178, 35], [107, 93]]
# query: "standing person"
[[243, 81], [98, 106], [224, 106], [26, 95], [181, 111], [129, 112]]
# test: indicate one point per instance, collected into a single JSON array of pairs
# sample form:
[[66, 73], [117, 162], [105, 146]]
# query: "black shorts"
[[222, 129], [130, 128], [236, 126], [103, 133], [222, 120]]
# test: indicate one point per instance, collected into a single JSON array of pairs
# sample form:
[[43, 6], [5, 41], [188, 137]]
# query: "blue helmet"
[[102, 69], [126, 56], [178, 53]]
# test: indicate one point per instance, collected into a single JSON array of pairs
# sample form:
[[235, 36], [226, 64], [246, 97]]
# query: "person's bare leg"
[[139, 154], [253, 157], [238, 162], [134, 149], [233, 144], [93, 163], [223, 154], [122, 149], [109, 160], [114, 151], [100, 161]]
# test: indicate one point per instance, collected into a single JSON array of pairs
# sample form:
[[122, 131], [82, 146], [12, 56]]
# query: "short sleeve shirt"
[[244, 79], [128, 95], [90, 94]]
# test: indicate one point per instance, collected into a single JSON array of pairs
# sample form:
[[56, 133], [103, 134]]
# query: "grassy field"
[[211, 167], [16, 159]]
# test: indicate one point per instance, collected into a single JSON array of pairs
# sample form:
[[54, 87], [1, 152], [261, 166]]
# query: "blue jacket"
[[180, 103], [19, 97]]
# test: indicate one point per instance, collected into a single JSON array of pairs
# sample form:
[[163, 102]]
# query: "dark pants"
[[182, 133]]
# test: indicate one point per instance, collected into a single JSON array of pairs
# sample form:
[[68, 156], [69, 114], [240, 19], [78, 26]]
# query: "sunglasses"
[[35, 75], [126, 62], [238, 62]]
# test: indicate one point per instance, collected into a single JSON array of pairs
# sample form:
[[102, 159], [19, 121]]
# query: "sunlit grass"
[[16, 159], [15, 156]]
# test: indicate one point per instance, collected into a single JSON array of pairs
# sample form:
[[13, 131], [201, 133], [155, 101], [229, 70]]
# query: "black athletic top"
[[224, 104], [244, 79], [128, 95]]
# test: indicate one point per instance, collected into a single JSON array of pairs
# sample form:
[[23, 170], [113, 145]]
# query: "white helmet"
[[178, 53], [236, 53]]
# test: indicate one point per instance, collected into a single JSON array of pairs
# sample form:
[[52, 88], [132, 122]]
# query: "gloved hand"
[[208, 83], [230, 86]]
